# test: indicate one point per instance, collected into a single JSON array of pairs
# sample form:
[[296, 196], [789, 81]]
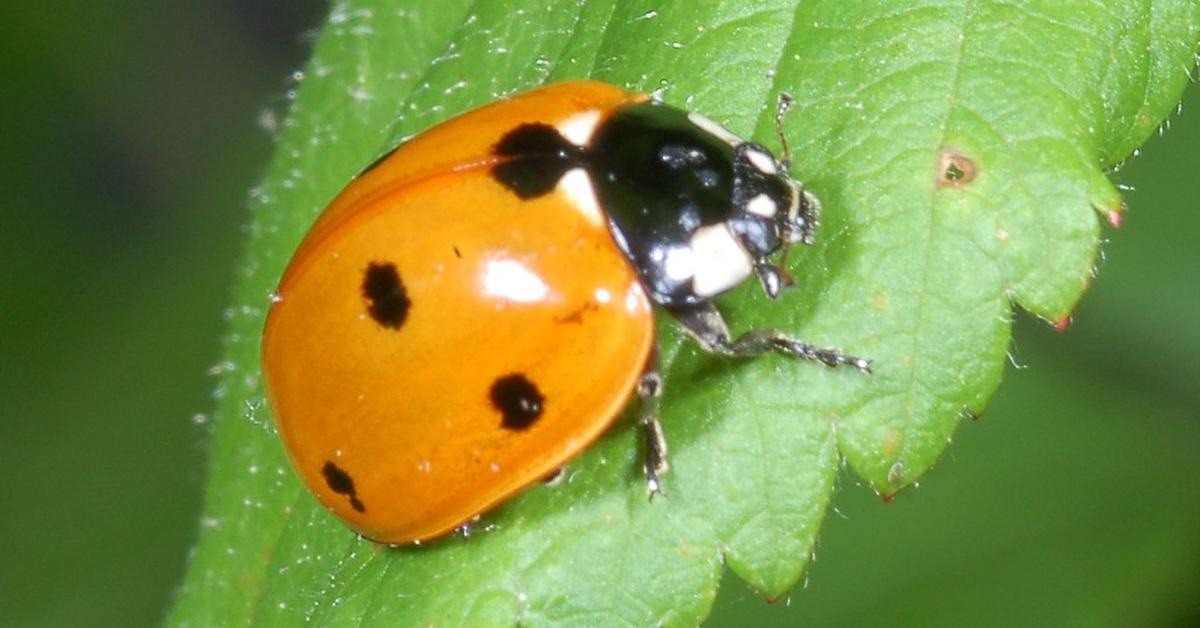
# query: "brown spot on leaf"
[[955, 169], [891, 443]]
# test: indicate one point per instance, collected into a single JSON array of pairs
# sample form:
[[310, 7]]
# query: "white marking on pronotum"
[[577, 186], [762, 205], [578, 128], [712, 127], [720, 261], [680, 263], [764, 162]]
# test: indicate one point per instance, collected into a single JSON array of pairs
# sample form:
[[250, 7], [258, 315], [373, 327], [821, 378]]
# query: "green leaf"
[[959, 148]]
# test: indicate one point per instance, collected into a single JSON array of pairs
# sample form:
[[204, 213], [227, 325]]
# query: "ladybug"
[[477, 306]]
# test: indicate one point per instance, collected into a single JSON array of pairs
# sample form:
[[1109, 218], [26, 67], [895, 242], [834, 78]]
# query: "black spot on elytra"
[[539, 157], [518, 400], [378, 160], [341, 483], [387, 300]]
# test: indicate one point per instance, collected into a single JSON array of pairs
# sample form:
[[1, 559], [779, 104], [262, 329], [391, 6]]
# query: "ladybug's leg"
[[649, 391], [704, 323]]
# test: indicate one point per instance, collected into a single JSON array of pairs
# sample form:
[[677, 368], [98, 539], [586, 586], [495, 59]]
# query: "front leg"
[[705, 324], [649, 391]]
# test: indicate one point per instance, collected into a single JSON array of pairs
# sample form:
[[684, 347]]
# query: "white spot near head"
[[680, 263], [603, 295], [762, 161], [720, 261], [713, 128], [577, 186], [510, 280], [578, 128], [762, 205]]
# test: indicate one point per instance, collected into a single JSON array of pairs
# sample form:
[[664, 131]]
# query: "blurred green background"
[[132, 132]]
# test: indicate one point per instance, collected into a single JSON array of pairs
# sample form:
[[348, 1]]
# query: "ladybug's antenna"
[[785, 103]]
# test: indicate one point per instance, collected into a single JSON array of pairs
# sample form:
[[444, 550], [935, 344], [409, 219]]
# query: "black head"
[[697, 209]]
